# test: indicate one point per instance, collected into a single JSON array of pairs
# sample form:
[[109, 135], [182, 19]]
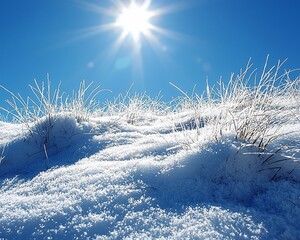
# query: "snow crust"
[[155, 178]]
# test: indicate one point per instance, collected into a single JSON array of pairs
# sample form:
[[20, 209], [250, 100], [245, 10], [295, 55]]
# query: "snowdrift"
[[40, 140], [143, 185]]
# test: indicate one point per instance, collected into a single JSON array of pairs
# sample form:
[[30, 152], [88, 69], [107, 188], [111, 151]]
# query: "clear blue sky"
[[213, 38]]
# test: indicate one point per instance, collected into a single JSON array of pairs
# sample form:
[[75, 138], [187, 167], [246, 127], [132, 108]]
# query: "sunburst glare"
[[137, 24], [134, 20]]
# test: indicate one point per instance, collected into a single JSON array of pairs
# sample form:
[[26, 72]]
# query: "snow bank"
[[36, 142], [141, 183]]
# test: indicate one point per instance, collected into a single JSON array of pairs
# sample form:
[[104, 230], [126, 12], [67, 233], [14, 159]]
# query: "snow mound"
[[38, 141]]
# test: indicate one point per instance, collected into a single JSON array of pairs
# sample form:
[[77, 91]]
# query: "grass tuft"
[[46, 102]]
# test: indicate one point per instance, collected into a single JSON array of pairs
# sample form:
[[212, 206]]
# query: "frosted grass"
[[220, 165]]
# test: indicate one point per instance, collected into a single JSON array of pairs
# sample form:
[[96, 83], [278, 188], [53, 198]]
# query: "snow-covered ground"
[[217, 171], [115, 180]]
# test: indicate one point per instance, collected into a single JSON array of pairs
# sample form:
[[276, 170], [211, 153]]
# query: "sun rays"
[[134, 20], [135, 24]]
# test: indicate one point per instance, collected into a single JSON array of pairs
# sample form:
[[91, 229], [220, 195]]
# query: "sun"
[[135, 25], [134, 20]]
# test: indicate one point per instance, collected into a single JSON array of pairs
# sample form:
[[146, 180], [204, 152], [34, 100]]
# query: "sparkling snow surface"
[[147, 178]]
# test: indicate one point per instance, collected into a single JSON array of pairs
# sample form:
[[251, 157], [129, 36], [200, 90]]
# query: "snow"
[[221, 167], [153, 177]]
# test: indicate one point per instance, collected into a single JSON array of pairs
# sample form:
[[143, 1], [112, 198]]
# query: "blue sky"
[[211, 38]]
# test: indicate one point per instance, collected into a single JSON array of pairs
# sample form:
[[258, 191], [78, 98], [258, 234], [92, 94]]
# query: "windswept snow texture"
[[153, 178]]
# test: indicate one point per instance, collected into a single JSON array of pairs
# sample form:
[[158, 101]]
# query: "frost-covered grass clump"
[[51, 123], [219, 165]]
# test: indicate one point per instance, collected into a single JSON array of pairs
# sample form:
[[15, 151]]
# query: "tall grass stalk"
[[46, 102]]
